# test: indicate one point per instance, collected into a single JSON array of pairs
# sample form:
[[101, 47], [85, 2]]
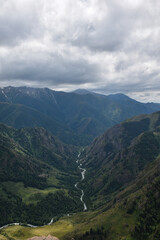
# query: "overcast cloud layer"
[[105, 45]]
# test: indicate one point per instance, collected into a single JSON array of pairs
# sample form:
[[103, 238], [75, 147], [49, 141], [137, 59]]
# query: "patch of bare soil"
[[49, 237]]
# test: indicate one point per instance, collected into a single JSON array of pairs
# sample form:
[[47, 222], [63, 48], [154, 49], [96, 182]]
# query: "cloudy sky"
[[107, 46]]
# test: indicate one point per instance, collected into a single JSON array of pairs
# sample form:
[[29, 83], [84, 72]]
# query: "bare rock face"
[[49, 237]]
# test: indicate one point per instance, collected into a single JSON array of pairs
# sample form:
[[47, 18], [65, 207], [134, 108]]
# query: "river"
[[83, 170]]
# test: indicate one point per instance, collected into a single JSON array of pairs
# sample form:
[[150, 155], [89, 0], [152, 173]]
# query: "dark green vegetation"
[[98, 234], [148, 221], [38, 171], [117, 157], [18, 116], [74, 118], [43, 165], [123, 170], [53, 206]]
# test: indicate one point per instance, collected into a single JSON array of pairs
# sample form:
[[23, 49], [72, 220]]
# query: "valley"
[[38, 192], [82, 166]]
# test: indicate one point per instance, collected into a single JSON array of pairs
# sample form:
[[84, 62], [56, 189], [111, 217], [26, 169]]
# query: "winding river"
[[83, 170], [25, 224]]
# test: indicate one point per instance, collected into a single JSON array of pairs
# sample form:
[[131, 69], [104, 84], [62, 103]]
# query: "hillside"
[[37, 173], [133, 214], [117, 157], [19, 116], [80, 116], [121, 185]]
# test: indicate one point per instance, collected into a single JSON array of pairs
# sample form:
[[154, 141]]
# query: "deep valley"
[[78, 165]]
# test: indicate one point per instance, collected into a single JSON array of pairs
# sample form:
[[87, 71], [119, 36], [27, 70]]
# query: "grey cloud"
[[146, 94], [111, 32], [110, 46], [18, 22], [54, 70], [127, 87]]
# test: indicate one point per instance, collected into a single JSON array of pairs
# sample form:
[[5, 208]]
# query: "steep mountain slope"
[[120, 154], [87, 115], [19, 116], [17, 165], [133, 215], [37, 173], [122, 180], [39, 143]]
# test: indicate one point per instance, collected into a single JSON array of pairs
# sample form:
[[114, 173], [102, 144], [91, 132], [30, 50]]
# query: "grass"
[[58, 229], [115, 221], [28, 194], [52, 180], [3, 237]]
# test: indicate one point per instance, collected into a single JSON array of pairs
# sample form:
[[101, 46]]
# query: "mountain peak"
[[120, 97], [82, 91]]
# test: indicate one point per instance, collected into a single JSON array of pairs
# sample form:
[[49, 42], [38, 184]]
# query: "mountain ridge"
[[80, 116], [116, 158], [121, 184]]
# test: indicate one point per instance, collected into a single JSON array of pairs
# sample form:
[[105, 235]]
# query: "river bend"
[[83, 171]]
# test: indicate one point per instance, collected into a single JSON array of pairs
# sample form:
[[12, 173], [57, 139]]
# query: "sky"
[[107, 46]]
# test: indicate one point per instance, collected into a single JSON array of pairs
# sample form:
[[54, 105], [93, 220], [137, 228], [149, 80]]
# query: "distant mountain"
[[18, 116], [82, 91], [121, 153], [81, 117]]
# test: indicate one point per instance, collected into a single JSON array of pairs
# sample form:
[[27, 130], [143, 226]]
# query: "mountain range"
[[74, 118], [119, 142]]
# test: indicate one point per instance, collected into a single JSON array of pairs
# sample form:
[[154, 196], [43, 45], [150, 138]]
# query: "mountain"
[[123, 182], [121, 185], [133, 213], [117, 157], [32, 151], [82, 91], [126, 155], [19, 116], [37, 171], [80, 116], [16, 163]]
